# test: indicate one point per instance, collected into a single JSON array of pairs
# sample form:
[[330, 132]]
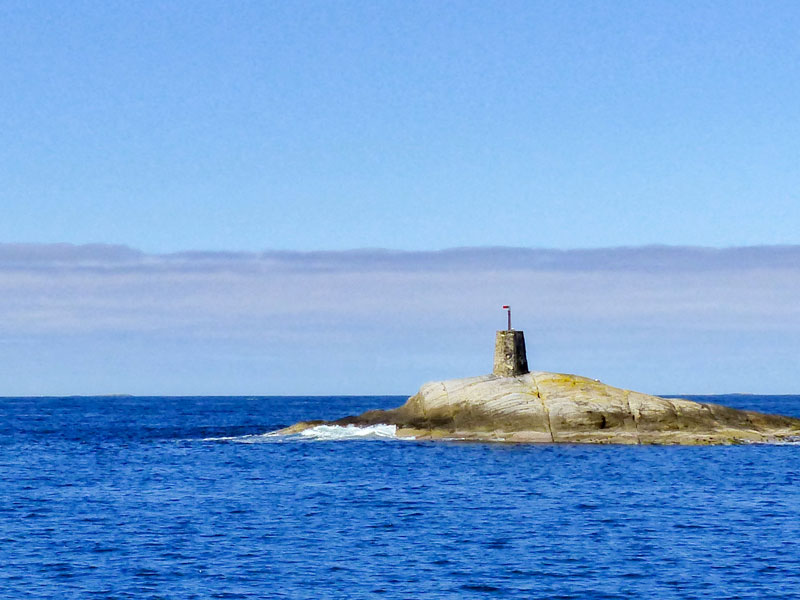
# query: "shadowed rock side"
[[550, 407]]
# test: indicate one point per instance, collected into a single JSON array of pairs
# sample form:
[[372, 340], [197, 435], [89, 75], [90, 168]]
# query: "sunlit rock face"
[[541, 407]]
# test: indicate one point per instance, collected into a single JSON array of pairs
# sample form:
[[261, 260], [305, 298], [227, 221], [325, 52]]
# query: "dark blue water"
[[123, 498]]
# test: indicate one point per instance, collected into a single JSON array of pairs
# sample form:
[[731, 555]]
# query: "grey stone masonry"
[[510, 359]]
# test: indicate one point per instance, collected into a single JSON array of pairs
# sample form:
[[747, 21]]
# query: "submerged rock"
[[552, 408]]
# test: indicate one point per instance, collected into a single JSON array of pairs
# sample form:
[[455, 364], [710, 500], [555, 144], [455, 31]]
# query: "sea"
[[191, 497]]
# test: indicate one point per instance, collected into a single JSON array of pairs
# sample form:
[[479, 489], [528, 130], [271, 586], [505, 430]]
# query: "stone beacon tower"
[[510, 358]]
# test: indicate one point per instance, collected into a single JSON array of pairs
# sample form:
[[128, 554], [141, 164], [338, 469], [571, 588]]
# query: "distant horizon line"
[[285, 396]]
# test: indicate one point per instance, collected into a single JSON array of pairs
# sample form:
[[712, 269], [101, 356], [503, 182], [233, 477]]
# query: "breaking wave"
[[350, 432], [789, 441], [318, 433], [256, 438]]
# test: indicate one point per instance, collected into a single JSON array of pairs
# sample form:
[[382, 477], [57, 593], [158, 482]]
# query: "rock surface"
[[542, 407]]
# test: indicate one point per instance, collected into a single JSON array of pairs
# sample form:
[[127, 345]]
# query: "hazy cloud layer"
[[382, 321]]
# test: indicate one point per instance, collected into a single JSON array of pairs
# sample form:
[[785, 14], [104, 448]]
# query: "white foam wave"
[[350, 432], [318, 433], [255, 438], [789, 441]]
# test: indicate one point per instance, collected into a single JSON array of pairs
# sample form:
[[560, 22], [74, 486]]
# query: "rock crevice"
[[544, 408]]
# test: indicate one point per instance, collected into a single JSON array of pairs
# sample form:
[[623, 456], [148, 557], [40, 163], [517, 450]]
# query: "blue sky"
[[407, 125], [271, 139]]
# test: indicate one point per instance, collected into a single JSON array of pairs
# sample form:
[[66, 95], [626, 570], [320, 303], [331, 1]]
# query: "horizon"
[[289, 396]]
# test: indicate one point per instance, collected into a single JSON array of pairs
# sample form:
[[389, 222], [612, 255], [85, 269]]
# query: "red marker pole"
[[508, 308]]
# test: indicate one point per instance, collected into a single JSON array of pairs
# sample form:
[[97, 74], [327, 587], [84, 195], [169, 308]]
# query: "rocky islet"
[[514, 405]]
